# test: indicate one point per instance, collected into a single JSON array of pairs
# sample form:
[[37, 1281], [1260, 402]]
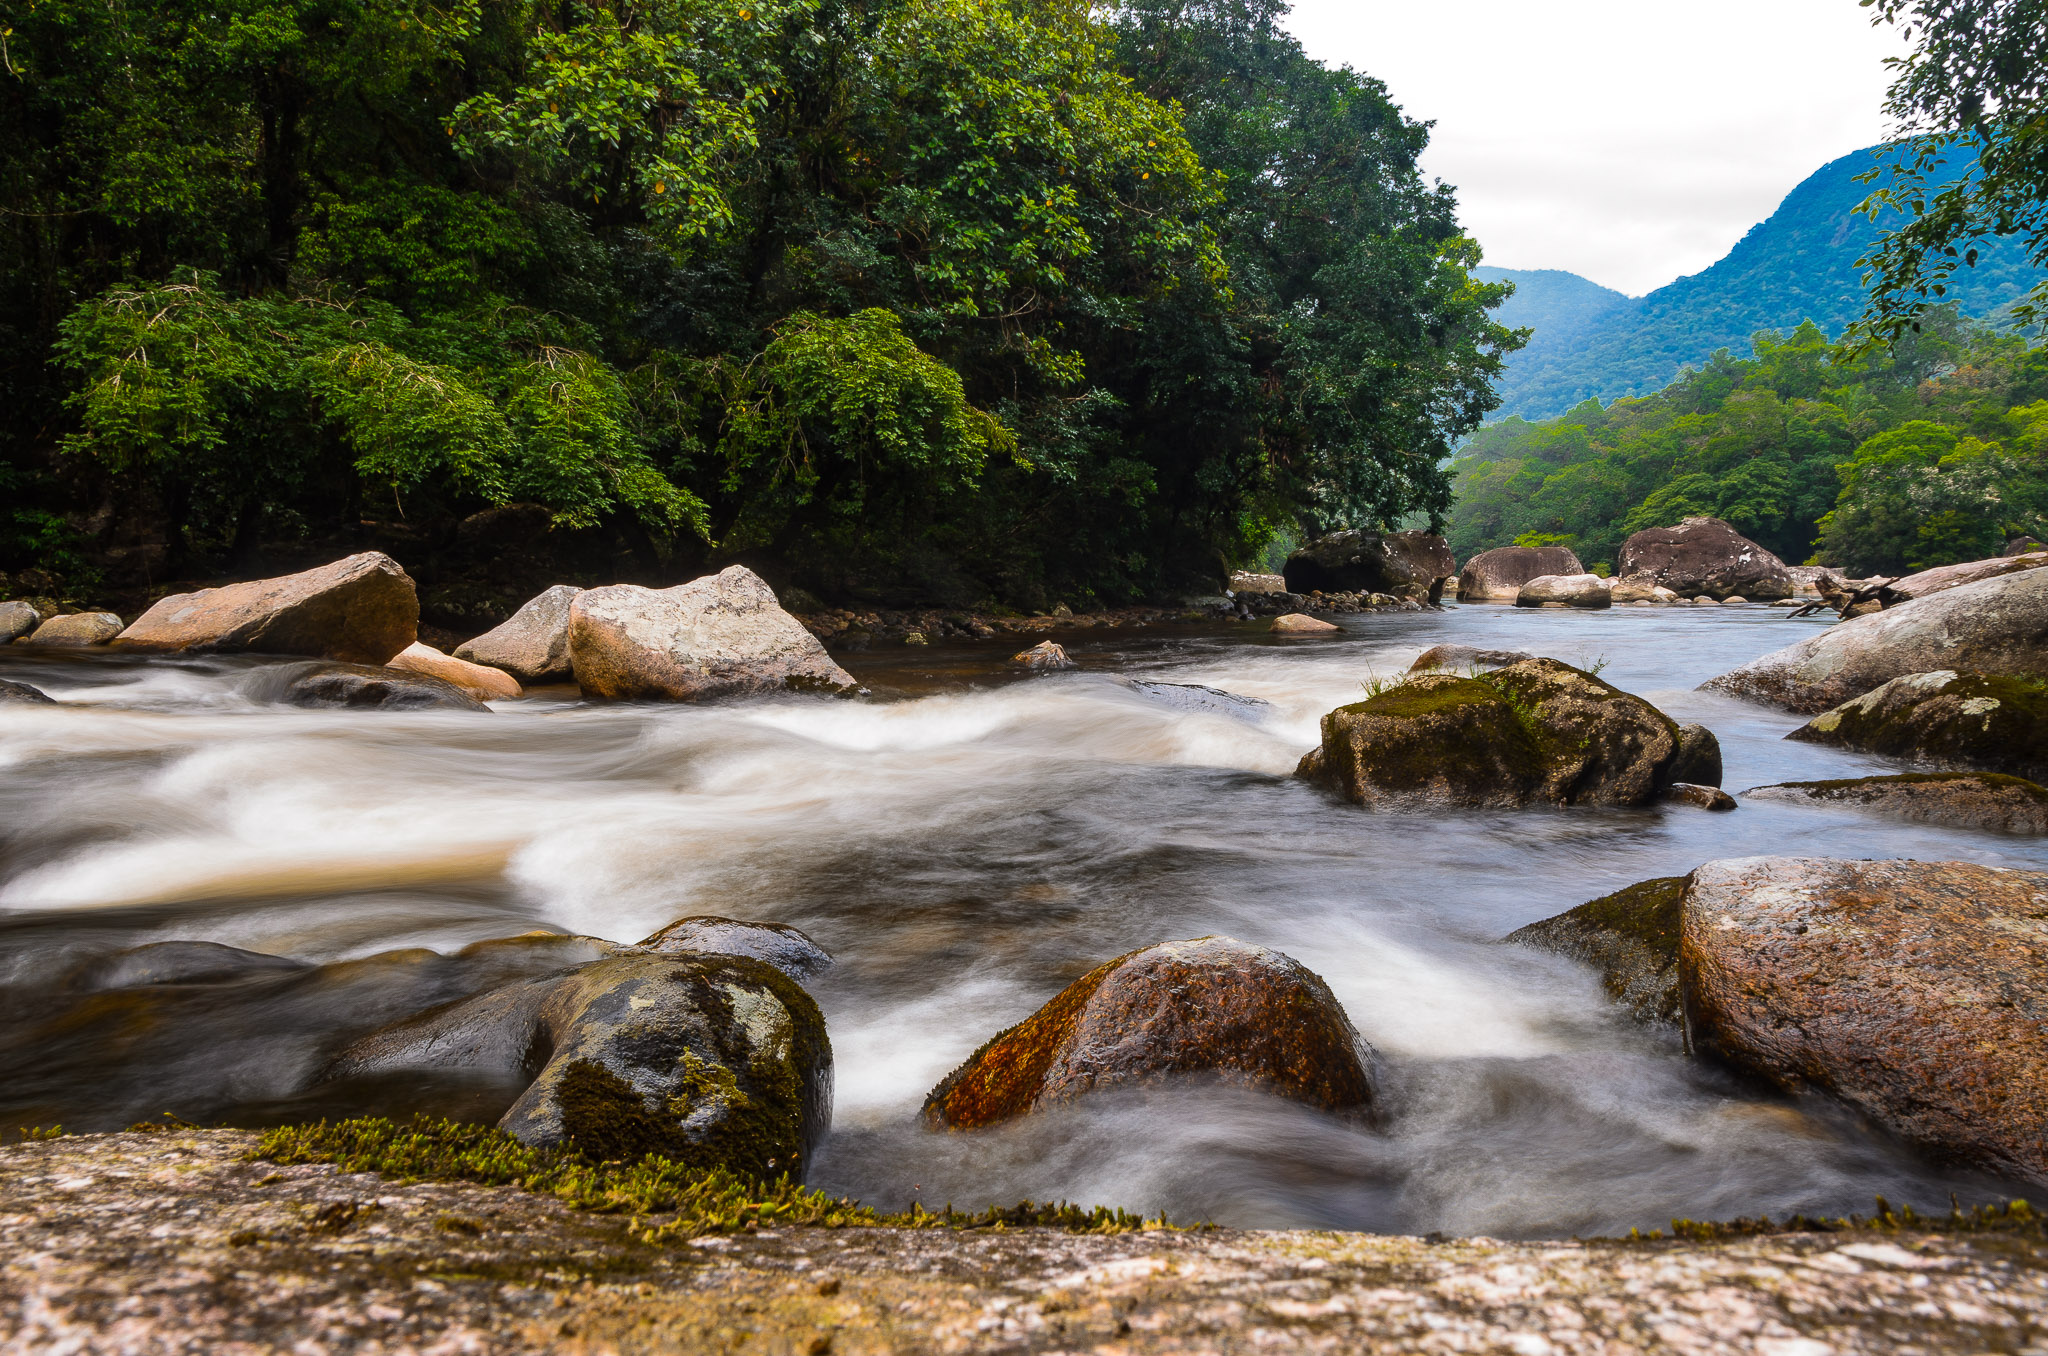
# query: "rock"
[[720, 636], [1704, 601], [1631, 938], [1968, 572], [23, 694], [533, 643], [16, 621], [786, 948], [1301, 624], [356, 686], [1213, 1007], [1705, 556], [485, 684], [1699, 757], [77, 628], [1917, 992], [1465, 657], [1964, 800], [1498, 575], [1244, 582], [1701, 797], [1534, 731], [1410, 565], [2020, 546], [1044, 657], [1733, 600], [1194, 698], [1572, 590], [362, 610], [1638, 588], [180, 963], [1993, 626], [1998, 724], [1806, 579]]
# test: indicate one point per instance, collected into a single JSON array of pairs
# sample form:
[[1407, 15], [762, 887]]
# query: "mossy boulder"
[[1630, 937], [1535, 731], [1213, 1007], [1973, 720], [1965, 800]]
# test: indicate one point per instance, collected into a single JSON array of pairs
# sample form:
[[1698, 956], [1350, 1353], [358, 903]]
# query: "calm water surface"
[[966, 843]]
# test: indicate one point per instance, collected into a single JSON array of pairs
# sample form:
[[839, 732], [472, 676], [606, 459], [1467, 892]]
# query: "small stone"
[[1044, 657], [1301, 624], [16, 621], [485, 684], [23, 694], [1732, 599], [77, 628], [1703, 797], [915, 638]]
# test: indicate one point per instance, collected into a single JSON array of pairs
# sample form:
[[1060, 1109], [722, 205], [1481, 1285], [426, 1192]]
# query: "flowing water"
[[966, 842]]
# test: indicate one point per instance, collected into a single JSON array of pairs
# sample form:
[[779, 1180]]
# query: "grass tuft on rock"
[[667, 1201]]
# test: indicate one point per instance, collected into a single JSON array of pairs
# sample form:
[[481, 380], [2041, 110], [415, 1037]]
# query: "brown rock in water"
[[1573, 590], [1705, 557], [1964, 800], [1498, 575], [77, 628], [16, 621], [1917, 992], [1465, 657], [1995, 626], [1699, 757], [362, 610], [485, 684], [720, 636], [1639, 588], [1214, 1007], [1301, 624], [1630, 937], [1534, 731], [1699, 797], [1045, 656], [23, 694], [1411, 565], [533, 644], [1970, 720]]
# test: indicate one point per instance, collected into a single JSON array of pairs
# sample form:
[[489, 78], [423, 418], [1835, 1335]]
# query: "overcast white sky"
[[1630, 141]]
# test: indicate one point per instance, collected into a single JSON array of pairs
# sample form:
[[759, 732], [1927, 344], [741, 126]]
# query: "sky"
[[1629, 141]]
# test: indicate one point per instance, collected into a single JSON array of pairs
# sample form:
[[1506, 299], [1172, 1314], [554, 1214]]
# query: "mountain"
[[1800, 264]]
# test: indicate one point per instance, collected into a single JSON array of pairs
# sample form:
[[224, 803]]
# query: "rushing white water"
[[966, 843]]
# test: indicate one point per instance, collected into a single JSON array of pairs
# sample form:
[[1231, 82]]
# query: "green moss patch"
[[1630, 936]]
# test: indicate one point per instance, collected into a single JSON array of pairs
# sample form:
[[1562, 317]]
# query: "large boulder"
[[533, 643], [1534, 731], [1568, 590], [479, 681], [357, 686], [1630, 937], [24, 695], [1705, 557], [1498, 575], [77, 628], [723, 635], [1963, 800], [1409, 565], [16, 621], [1995, 626], [1917, 992], [1213, 1008], [362, 610], [1968, 720], [1968, 572]]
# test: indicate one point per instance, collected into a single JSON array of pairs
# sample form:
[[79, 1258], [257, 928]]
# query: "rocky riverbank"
[[177, 1242]]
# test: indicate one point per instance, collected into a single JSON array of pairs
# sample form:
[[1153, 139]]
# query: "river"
[[966, 842]]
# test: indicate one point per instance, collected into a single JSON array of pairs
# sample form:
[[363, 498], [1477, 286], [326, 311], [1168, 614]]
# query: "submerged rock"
[[1195, 698], [1995, 626], [1498, 575], [533, 644], [1410, 565], [1045, 657], [1301, 624], [17, 620], [720, 636], [1450, 656], [1916, 992], [180, 963], [1994, 723], [23, 694], [1572, 590], [786, 948], [1963, 800], [361, 610], [357, 686], [77, 628], [1705, 557], [1212, 1007], [1538, 730], [1699, 797], [1630, 937]]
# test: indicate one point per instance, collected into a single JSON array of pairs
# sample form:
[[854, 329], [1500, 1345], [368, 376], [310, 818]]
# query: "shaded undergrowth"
[[666, 1201]]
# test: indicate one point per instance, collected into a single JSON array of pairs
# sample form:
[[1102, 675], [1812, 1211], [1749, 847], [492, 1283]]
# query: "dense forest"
[[1873, 461], [976, 301], [1799, 264]]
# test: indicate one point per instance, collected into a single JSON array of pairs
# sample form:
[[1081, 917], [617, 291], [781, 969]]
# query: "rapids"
[[966, 842]]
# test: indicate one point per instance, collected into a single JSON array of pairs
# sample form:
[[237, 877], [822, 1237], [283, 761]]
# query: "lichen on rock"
[[1991, 722]]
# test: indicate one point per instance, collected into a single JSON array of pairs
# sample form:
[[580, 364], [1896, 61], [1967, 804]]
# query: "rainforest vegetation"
[[980, 301]]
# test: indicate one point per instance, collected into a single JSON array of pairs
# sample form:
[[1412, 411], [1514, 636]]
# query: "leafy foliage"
[[1872, 462]]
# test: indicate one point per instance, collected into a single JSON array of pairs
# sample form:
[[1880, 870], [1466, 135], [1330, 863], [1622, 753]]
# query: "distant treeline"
[[1875, 463]]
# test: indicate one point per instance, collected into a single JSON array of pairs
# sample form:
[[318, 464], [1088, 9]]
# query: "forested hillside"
[[965, 300], [1877, 463], [1798, 265]]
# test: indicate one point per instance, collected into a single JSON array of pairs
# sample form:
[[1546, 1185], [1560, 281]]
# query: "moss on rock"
[[1989, 722], [1631, 937]]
